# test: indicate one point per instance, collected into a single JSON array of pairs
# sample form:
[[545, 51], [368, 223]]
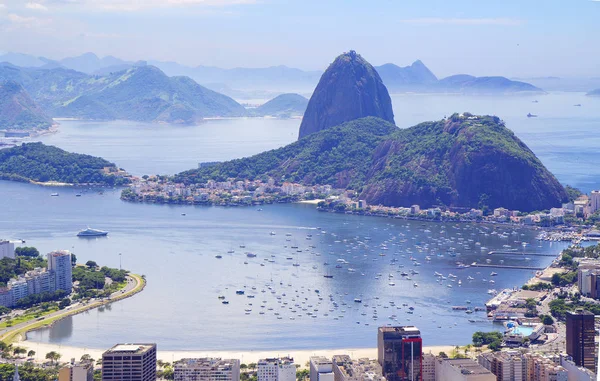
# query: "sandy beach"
[[301, 357]]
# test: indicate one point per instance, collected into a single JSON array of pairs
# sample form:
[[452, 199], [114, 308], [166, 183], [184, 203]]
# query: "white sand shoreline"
[[300, 356]]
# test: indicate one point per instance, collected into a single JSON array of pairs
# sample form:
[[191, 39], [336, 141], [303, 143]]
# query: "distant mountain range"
[[594, 93], [18, 111], [238, 82], [563, 84], [142, 93], [282, 106]]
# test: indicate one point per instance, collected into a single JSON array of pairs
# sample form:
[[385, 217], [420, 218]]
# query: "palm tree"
[[53, 356]]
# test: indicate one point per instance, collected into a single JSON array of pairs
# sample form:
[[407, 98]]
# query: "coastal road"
[[135, 284]]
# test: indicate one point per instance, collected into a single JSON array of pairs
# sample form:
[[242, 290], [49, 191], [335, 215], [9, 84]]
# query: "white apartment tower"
[[207, 369], [321, 369], [595, 201], [7, 249], [276, 369], [60, 263]]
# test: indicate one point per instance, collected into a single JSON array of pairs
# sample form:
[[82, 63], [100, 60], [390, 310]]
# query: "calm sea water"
[[563, 136], [180, 309]]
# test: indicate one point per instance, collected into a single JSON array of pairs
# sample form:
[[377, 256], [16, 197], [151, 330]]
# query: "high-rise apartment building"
[[429, 361], [129, 362], [7, 249], [321, 369], [276, 369], [346, 369], [207, 369], [461, 370], [507, 366], [595, 201], [81, 371], [60, 263], [580, 338], [399, 352]]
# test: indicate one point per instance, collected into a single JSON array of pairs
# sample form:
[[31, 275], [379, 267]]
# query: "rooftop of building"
[[130, 348], [278, 361], [467, 366], [79, 364], [363, 367], [320, 360], [59, 253], [407, 330], [579, 313], [207, 362]]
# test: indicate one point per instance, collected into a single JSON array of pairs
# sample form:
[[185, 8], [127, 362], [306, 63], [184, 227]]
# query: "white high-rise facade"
[[595, 201], [207, 369], [321, 369], [60, 263], [276, 369], [7, 249]]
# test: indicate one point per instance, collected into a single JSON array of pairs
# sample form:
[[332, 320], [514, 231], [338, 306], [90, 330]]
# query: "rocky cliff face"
[[349, 89]]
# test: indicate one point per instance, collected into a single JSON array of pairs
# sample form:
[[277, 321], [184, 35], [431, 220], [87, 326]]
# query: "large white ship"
[[92, 233]]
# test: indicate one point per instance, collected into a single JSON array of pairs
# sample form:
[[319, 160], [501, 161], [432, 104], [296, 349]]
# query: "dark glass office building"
[[580, 338], [399, 352]]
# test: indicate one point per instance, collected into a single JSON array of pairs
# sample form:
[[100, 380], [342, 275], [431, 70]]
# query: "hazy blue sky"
[[481, 37]]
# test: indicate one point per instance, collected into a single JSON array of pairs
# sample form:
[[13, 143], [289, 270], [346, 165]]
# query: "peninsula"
[[348, 142], [42, 164]]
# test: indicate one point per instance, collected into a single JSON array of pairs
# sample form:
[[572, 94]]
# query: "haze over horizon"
[[510, 38]]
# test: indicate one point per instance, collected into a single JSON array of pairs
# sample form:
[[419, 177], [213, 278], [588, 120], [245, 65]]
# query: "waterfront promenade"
[[301, 357], [135, 284]]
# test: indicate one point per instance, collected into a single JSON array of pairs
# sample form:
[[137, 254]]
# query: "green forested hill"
[[464, 160], [18, 111], [42, 163]]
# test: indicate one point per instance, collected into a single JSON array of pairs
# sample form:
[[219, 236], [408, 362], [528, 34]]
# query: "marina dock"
[[506, 266], [522, 253]]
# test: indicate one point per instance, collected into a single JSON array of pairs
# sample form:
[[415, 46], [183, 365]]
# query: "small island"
[[48, 165]]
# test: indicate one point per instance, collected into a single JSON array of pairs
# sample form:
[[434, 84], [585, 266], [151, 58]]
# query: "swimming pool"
[[523, 330]]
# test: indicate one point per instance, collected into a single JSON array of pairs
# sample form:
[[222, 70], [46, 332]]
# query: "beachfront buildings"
[[507, 366], [129, 362], [588, 277], [77, 371], [346, 369], [580, 338], [59, 262], [276, 369], [7, 249], [518, 366], [207, 369], [321, 369], [58, 276], [461, 370], [399, 352]]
